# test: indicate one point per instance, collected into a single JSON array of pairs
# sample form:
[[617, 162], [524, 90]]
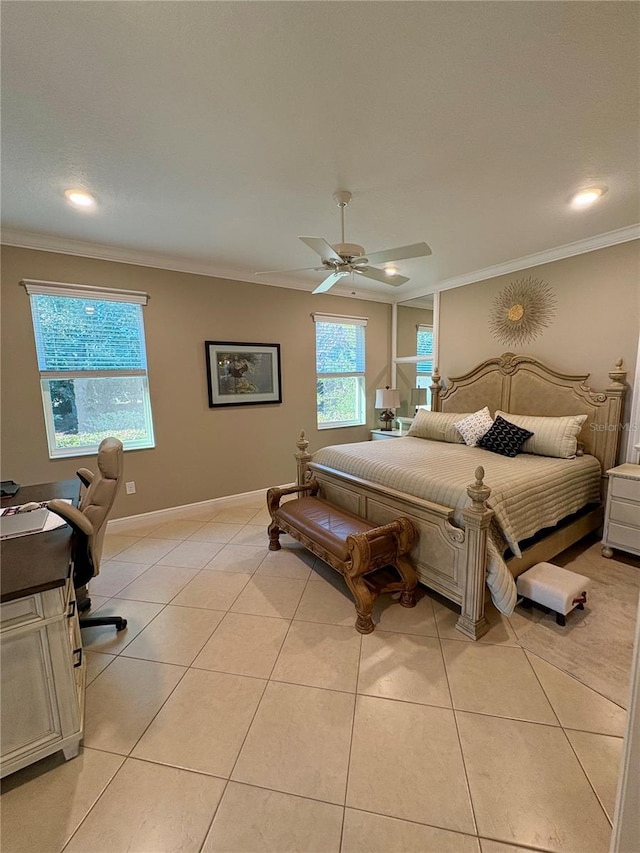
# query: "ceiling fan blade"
[[380, 275], [329, 281], [401, 253], [320, 245], [300, 269]]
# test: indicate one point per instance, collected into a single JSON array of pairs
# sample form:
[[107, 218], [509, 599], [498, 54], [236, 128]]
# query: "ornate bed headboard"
[[521, 384]]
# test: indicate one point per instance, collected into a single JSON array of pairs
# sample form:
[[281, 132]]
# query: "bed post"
[[435, 389], [477, 517], [302, 459]]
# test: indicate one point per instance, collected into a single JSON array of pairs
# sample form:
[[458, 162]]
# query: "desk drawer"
[[22, 611], [30, 609], [625, 513], [629, 489]]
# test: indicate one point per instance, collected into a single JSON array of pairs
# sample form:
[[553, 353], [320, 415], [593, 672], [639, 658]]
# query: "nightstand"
[[381, 434], [622, 515]]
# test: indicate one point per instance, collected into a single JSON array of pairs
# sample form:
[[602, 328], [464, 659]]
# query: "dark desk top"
[[38, 561]]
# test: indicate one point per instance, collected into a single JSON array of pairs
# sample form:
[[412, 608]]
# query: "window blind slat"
[[340, 348], [424, 347], [75, 334]]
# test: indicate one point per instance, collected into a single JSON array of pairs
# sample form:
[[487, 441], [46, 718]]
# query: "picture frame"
[[243, 374]]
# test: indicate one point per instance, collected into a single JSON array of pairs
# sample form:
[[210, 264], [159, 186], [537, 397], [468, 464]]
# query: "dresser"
[[622, 514], [42, 666]]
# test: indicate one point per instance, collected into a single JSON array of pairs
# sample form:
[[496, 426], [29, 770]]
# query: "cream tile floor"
[[241, 711]]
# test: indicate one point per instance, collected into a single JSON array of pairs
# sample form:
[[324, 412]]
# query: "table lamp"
[[387, 399], [418, 397]]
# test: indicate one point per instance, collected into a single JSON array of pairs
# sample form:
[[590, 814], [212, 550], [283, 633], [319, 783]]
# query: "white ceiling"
[[214, 133]]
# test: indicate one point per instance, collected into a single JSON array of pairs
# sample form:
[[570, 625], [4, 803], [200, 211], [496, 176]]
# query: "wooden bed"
[[451, 558]]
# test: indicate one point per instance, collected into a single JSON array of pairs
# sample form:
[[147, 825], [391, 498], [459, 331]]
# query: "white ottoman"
[[553, 587]]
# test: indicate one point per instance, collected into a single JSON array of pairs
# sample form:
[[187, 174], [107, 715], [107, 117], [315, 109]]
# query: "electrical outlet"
[[130, 488]]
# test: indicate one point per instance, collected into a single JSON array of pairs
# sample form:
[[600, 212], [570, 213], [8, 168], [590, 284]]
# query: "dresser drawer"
[[621, 488], [625, 513], [621, 536]]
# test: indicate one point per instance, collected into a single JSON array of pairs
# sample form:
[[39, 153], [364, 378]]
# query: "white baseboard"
[[116, 524]]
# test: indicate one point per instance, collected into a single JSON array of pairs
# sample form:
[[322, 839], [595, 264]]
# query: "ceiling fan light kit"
[[343, 259]]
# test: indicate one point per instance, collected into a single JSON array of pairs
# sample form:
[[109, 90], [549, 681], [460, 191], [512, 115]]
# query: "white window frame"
[[83, 291], [361, 397]]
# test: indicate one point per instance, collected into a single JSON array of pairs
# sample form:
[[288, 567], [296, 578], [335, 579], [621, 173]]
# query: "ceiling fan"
[[342, 259]]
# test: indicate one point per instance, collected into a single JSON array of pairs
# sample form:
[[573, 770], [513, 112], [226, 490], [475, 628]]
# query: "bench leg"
[[364, 603], [274, 536], [409, 576], [561, 619]]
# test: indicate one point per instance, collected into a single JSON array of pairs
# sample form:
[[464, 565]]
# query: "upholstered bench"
[[349, 544], [551, 586]]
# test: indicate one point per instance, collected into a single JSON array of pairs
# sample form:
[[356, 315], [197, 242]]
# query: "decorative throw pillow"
[[474, 426], [551, 436], [504, 438], [437, 426]]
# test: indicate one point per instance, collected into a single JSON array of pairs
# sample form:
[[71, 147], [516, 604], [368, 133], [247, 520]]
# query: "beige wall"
[[200, 452], [597, 317]]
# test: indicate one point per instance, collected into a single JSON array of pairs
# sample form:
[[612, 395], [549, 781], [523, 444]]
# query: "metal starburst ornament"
[[522, 311]]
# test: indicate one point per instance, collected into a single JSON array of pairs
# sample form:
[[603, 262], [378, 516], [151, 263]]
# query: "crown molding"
[[117, 254], [156, 260], [568, 250], [175, 263]]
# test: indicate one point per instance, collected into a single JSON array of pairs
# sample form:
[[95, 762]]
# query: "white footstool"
[[553, 587]]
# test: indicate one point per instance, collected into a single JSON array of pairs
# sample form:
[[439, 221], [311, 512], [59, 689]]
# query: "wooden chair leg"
[[364, 603], [409, 576], [274, 536]]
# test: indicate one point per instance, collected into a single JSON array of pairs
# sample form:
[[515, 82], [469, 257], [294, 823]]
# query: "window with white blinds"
[[340, 370], [424, 368], [91, 353]]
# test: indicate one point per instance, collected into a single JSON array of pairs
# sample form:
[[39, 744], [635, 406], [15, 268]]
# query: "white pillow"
[[436, 426], [473, 427], [551, 436]]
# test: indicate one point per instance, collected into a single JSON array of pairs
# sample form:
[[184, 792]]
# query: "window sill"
[[70, 452], [341, 426]]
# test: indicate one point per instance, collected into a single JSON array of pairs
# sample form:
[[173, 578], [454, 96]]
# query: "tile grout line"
[[455, 722], [353, 726]]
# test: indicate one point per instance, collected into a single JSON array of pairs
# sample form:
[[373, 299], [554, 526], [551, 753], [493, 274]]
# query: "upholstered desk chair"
[[89, 522]]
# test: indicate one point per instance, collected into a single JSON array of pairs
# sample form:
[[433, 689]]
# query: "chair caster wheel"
[[121, 624]]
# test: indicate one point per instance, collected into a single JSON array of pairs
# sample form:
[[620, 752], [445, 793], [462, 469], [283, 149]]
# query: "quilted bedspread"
[[528, 493]]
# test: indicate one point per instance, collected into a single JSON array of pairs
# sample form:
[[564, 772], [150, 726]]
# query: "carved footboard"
[[448, 559]]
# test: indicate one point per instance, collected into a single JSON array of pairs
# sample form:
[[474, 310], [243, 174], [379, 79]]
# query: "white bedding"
[[528, 493]]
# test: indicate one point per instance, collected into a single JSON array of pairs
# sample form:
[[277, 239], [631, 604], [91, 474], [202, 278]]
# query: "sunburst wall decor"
[[522, 311]]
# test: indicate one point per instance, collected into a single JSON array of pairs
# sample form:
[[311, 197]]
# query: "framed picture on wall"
[[241, 374]]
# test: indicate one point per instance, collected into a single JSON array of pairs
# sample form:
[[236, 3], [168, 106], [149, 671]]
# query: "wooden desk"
[[43, 671], [39, 561]]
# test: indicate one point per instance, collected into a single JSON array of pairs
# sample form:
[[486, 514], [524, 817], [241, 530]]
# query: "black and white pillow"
[[504, 438], [473, 427]]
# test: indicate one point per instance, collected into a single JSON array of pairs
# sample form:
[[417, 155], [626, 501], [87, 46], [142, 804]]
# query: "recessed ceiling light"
[[79, 198], [390, 270], [587, 197]]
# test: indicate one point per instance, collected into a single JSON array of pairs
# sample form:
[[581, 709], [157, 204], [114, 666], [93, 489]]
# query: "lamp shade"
[[387, 398], [418, 396]]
